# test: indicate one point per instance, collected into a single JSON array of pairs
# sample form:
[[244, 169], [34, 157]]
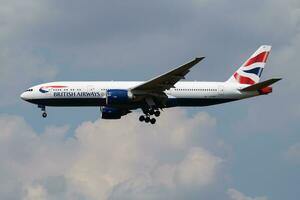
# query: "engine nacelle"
[[118, 97], [111, 113]]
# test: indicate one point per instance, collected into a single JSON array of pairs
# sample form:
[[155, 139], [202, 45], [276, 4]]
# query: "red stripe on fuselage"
[[243, 79], [55, 86], [262, 57]]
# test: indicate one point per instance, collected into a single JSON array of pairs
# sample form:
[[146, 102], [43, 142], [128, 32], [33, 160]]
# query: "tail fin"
[[251, 70]]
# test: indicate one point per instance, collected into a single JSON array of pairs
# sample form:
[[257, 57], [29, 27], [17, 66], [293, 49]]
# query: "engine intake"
[[118, 97]]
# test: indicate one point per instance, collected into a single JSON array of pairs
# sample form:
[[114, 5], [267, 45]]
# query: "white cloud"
[[108, 159], [196, 171], [125, 153], [28, 157], [191, 172], [293, 153], [36, 192], [237, 195]]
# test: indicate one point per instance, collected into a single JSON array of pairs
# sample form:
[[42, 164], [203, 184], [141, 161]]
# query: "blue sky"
[[237, 151]]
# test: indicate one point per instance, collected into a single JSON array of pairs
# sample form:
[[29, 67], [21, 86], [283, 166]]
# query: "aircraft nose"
[[23, 96]]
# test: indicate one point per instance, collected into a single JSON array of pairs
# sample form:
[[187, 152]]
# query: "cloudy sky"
[[247, 150]]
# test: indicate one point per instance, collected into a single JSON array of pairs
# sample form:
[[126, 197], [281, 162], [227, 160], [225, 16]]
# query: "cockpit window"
[[29, 90]]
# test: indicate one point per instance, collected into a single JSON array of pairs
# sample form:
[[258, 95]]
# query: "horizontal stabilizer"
[[261, 85]]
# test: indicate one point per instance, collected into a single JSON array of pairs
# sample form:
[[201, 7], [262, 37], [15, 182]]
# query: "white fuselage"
[[88, 93], [118, 98]]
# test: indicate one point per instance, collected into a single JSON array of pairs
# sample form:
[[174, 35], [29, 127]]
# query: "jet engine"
[[112, 113], [116, 97]]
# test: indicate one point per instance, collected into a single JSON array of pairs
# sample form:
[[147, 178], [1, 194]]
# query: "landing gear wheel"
[[142, 118], [157, 113], [147, 119], [151, 112], [146, 111], [153, 120], [44, 114]]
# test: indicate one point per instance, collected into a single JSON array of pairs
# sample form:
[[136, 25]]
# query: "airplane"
[[118, 98]]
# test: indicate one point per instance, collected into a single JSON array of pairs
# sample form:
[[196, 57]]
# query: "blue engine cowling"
[[111, 113], [118, 97]]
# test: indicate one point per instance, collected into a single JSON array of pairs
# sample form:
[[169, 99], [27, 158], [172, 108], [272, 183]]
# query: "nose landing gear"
[[43, 108], [44, 114]]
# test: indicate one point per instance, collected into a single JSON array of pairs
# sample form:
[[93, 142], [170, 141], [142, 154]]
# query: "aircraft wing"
[[167, 80]]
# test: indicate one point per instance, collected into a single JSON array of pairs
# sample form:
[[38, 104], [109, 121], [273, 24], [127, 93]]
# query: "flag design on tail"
[[250, 72]]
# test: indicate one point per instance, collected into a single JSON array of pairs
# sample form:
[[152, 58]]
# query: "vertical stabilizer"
[[250, 72]]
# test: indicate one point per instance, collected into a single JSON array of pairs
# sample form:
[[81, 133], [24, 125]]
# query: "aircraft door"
[[91, 91], [90, 88], [221, 90]]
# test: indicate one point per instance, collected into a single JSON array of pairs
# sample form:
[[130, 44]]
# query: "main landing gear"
[[43, 109], [148, 113]]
